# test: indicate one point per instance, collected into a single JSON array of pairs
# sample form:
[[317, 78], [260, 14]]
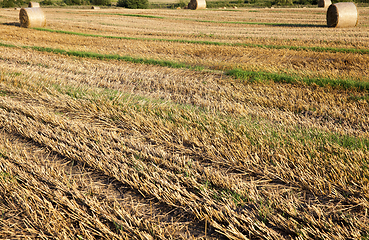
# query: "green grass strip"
[[86, 34], [296, 48], [7, 45], [162, 63], [252, 76]]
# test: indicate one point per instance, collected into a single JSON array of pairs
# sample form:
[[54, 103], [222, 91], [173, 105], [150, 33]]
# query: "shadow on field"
[[12, 24]]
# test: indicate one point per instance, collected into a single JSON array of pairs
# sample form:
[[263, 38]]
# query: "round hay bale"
[[324, 3], [343, 14], [197, 4], [33, 4], [95, 7], [32, 17]]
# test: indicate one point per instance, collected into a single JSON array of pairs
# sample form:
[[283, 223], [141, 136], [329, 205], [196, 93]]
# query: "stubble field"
[[180, 124]]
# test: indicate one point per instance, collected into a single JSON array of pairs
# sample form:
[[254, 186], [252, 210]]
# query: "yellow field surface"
[[180, 124]]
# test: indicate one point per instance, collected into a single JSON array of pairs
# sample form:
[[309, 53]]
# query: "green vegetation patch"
[[360, 98], [253, 76], [321, 138], [3, 93], [7, 45], [86, 34], [3, 155], [180, 114], [162, 63]]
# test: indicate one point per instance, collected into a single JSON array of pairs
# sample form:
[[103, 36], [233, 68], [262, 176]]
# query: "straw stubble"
[[255, 160]]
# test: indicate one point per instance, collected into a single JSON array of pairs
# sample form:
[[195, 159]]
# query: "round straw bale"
[[324, 3], [32, 17], [33, 4], [343, 14], [197, 4], [95, 7]]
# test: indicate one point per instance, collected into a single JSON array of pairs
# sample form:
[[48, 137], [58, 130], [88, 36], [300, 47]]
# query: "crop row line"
[[132, 171], [62, 132], [27, 175], [244, 75], [295, 48], [97, 146], [212, 21], [128, 15]]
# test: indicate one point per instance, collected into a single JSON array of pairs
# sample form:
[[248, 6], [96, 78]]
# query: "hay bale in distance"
[[95, 7], [33, 4], [197, 4], [343, 14], [32, 17], [324, 3]]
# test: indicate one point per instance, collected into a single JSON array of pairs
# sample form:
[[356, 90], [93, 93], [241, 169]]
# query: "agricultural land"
[[249, 123]]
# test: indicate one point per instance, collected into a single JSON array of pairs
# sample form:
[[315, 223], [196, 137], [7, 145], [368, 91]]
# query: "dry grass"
[[309, 63], [107, 149], [309, 28]]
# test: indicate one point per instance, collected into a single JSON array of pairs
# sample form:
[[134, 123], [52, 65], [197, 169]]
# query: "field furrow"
[[111, 201], [337, 110], [72, 146]]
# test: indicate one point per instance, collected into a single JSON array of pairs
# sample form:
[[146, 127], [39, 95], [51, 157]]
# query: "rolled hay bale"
[[197, 4], [95, 7], [32, 17], [324, 3], [341, 15], [33, 4]]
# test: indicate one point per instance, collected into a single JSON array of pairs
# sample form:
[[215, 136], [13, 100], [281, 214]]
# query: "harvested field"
[[245, 124]]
